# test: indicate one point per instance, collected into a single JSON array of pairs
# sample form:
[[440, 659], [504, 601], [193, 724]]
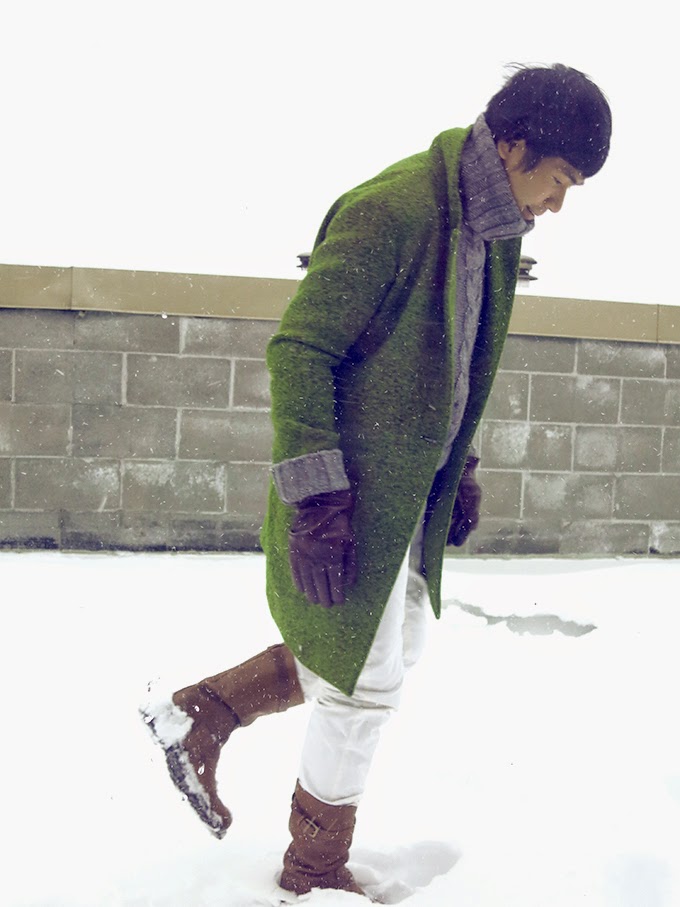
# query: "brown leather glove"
[[321, 547], [465, 517]]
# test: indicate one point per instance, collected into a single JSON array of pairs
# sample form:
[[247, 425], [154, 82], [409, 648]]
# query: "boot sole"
[[158, 720]]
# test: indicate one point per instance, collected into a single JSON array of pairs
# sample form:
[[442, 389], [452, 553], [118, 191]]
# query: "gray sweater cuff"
[[310, 474]]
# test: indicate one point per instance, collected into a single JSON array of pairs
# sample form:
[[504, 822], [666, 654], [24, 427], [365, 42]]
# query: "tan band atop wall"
[[150, 292]]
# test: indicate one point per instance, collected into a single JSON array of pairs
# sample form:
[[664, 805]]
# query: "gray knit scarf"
[[490, 212]]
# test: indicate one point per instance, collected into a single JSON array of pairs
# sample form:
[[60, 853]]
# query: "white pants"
[[343, 730]]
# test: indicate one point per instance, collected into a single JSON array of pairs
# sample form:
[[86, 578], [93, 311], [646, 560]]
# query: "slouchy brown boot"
[[318, 853], [195, 724]]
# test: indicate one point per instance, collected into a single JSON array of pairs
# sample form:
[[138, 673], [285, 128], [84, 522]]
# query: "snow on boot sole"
[[168, 726]]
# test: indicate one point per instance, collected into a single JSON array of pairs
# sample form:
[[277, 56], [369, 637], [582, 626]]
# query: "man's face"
[[541, 189]]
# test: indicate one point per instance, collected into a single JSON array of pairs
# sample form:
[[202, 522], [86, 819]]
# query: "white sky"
[[210, 136]]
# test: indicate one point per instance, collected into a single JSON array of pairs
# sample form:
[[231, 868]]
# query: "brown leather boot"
[[193, 727], [318, 853]]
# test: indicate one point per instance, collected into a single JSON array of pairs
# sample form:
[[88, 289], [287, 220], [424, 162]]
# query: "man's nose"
[[556, 201]]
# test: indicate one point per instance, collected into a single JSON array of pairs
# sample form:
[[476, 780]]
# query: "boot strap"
[[309, 827]]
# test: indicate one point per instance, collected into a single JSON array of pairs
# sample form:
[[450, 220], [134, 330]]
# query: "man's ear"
[[512, 153]]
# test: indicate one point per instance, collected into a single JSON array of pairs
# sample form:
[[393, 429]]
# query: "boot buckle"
[[310, 828]]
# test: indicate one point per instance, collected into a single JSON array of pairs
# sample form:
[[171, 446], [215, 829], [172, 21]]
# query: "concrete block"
[[51, 483], [126, 333], [550, 447], [43, 376], [665, 538], [504, 445], [124, 432], [137, 532], [251, 384], [34, 429], [28, 329], [47, 376], [670, 457], [247, 488], [673, 361], [522, 445], [90, 531], [147, 531], [591, 538], [242, 338], [568, 496], [634, 360], [614, 448], [538, 354], [5, 483], [239, 533], [179, 487], [647, 497], [581, 399], [29, 530], [501, 493], [512, 537], [649, 402], [509, 398], [5, 374], [178, 381], [225, 436], [97, 378], [124, 532], [154, 531]]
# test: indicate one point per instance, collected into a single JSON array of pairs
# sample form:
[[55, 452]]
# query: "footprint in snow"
[[535, 624], [391, 877]]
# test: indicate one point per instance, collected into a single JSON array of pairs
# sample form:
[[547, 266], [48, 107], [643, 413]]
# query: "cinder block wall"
[[580, 447], [122, 431], [132, 431]]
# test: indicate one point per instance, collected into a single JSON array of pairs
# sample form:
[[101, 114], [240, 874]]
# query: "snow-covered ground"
[[534, 763]]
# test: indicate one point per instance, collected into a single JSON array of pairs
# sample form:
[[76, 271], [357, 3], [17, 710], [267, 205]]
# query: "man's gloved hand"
[[321, 547], [465, 517]]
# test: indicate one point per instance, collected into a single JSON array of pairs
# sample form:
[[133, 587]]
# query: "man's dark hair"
[[558, 111]]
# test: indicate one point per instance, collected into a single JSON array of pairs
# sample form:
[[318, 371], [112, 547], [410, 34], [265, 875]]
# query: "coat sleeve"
[[353, 265]]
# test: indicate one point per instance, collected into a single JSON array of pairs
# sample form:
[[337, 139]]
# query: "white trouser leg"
[[344, 730]]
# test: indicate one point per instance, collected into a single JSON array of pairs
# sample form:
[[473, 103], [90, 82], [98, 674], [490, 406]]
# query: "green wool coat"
[[363, 362]]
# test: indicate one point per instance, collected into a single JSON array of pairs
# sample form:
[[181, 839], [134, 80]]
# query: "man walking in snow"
[[380, 372]]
